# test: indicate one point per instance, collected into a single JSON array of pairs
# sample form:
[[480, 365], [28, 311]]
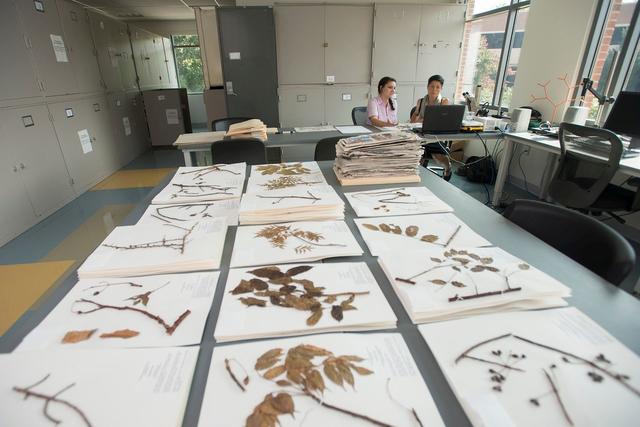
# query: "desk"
[[309, 139], [612, 308], [629, 166]]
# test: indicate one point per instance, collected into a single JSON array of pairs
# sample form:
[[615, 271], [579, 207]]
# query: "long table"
[[612, 308]]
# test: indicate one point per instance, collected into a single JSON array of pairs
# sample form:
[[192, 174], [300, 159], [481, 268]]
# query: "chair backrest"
[[359, 116], [579, 179], [582, 238], [326, 148], [223, 124], [238, 150]]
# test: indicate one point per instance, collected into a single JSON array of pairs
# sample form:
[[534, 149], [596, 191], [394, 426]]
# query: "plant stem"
[[483, 294], [281, 198], [557, 395], [228, 368], [167, 217], [346, 293], [453, 236], [346, 411], [410, 279], [481, 343], [493, 363]]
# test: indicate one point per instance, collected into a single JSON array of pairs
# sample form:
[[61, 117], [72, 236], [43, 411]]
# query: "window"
[[186, 50], [493, 37], [633, 84]]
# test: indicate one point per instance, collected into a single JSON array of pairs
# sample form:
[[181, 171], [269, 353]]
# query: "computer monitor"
[[442, 118], [624, 116]]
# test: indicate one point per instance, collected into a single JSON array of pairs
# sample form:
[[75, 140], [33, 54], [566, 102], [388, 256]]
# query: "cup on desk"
[[576, 115], [520, 119]]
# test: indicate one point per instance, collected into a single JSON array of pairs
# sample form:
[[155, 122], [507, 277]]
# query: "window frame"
[[175, 63]]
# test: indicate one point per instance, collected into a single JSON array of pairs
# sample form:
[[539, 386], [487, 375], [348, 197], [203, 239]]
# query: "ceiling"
[[152, 9]]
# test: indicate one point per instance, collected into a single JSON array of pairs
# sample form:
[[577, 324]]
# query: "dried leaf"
[[276, 371], [458, 284], [314, 318], [283, 383], [438, 282], [270, 273], [523, 266], [311, 351], [336, 312], [385, 228], [243, 287], [297, 270], [352, 358], [434, 259], [259, 285], [411, 230], [250, 301], [73, 337], [371, 227], [268, 359], [346, 373], [462, 261], [493, 269], [395, 229], [487, 260], [331, 371], [283, 403], [360, 370], [456, 268], [330, 299], [429, 238], [478, 268], [284, 280], [315, 381], [121, 333]]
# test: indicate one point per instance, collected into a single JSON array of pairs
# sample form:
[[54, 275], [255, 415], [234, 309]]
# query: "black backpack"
[[480, 169]]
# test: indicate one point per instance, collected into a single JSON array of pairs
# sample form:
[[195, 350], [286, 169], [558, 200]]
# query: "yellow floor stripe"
[[22, 285], [134, 178], [84, 239]]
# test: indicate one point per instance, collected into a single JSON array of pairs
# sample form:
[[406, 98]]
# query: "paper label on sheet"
[[127, 126], [172, 116], [85, 141], [58, 48]]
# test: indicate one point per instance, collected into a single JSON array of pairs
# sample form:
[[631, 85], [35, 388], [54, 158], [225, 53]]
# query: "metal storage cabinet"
[[141, 42], [167, 114], [348, 34], [17, 75], [42, 167], [120, 40], [57, 78], [339, 100], [170, 62], [300, 44], [407, 97], [396, 31], [101, 28], [77, 34], [124, 126], [301, 105], [158, 62]]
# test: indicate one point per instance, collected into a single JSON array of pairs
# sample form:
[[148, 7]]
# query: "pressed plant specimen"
[[278, 235], [190, 211], [200, 172], [50, 399], [384, 197], [177, 243], [412, 231], [283, 289], [200, 190], [287, 182], [283, 169], [278, 199]]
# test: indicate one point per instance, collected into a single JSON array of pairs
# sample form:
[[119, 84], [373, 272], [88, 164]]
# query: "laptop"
[[442, 119]]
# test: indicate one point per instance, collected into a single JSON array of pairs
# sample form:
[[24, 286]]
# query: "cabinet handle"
[[22, 166], [15, 168]]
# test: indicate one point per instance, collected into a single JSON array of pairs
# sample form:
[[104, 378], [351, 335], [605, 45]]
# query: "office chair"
[[359, 116], [429, 149], [238, 150], [582, 181], [326, 148], [223, 124], [584, 239]]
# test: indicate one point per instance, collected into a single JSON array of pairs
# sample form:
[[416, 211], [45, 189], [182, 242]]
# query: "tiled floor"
[[40, 258]]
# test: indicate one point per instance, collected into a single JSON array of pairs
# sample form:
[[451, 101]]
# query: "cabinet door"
[[107, 55], [16, 212], [348, 33], [102, 132], [77, 33], [49, 47], [141, 58], [300, 44], [396, 31], [122, 46], [171, 62], [43, 169], [439, 48], [17, 75], [339, 100], [301, 105], [158, 62]]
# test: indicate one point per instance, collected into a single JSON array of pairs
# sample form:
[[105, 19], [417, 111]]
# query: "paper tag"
[[58, 48], [85, 141], [346, 97], [234, 56], [331, 79], [172, 116], [127, 126], [161, 97], [38, 5], [27, 121], [68, 112]]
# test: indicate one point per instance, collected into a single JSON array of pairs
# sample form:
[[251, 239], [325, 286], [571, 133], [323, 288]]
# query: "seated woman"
[[381, 110], [433, 97]]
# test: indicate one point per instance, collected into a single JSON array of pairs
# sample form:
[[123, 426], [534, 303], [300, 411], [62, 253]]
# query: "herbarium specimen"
[[282, 289], [465, 262], [283, 169], [279, 199], [278, 235], [178, 243], [504, 362], [384, 197], [412, 232], [51, 398], [200, 172], [192, 210], [200, 190], [286, 182]]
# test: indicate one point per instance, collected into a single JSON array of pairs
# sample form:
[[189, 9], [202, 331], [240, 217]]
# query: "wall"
[[167, 28], [197, 111]]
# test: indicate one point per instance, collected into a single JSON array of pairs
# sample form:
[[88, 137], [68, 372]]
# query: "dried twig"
[[453, 236], [200, 172], [281, 198], [345, 411], [480, 344], [557, 395], [235, 379], [457, 297], [164, 217], [177, 243]]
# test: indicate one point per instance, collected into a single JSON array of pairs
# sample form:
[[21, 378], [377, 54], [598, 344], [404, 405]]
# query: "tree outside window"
[[186, 50]]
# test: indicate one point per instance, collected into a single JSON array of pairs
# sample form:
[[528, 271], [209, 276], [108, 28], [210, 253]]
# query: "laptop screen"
[[623, 118], [442, 118]]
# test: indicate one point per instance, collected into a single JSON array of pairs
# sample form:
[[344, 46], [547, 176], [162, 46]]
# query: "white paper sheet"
[[292, 242], [387, 394], [85, 141], [237, 321], [59, 48], [588, 402], [170, 297], [352, 129], [178, 214], [172, 116], [307, 172], [127, 388], [326, 128], [396, 201]]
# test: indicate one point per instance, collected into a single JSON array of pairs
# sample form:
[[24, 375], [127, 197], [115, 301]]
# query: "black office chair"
[[584, 239], [359, 116], [223, 124], [326, 148], [238, 150], [582, 181]]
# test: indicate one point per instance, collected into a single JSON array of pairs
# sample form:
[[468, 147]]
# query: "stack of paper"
[[415, 233], [441, 284], [284, 175], [141, 387], [186, 212], [355, 380], [384, 154], [539, 368], [139, 250], [119, 312], [253, 128], [293, 242], [292, 204], [203, 184], [396, 201], [198, 138], [285, 300]]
